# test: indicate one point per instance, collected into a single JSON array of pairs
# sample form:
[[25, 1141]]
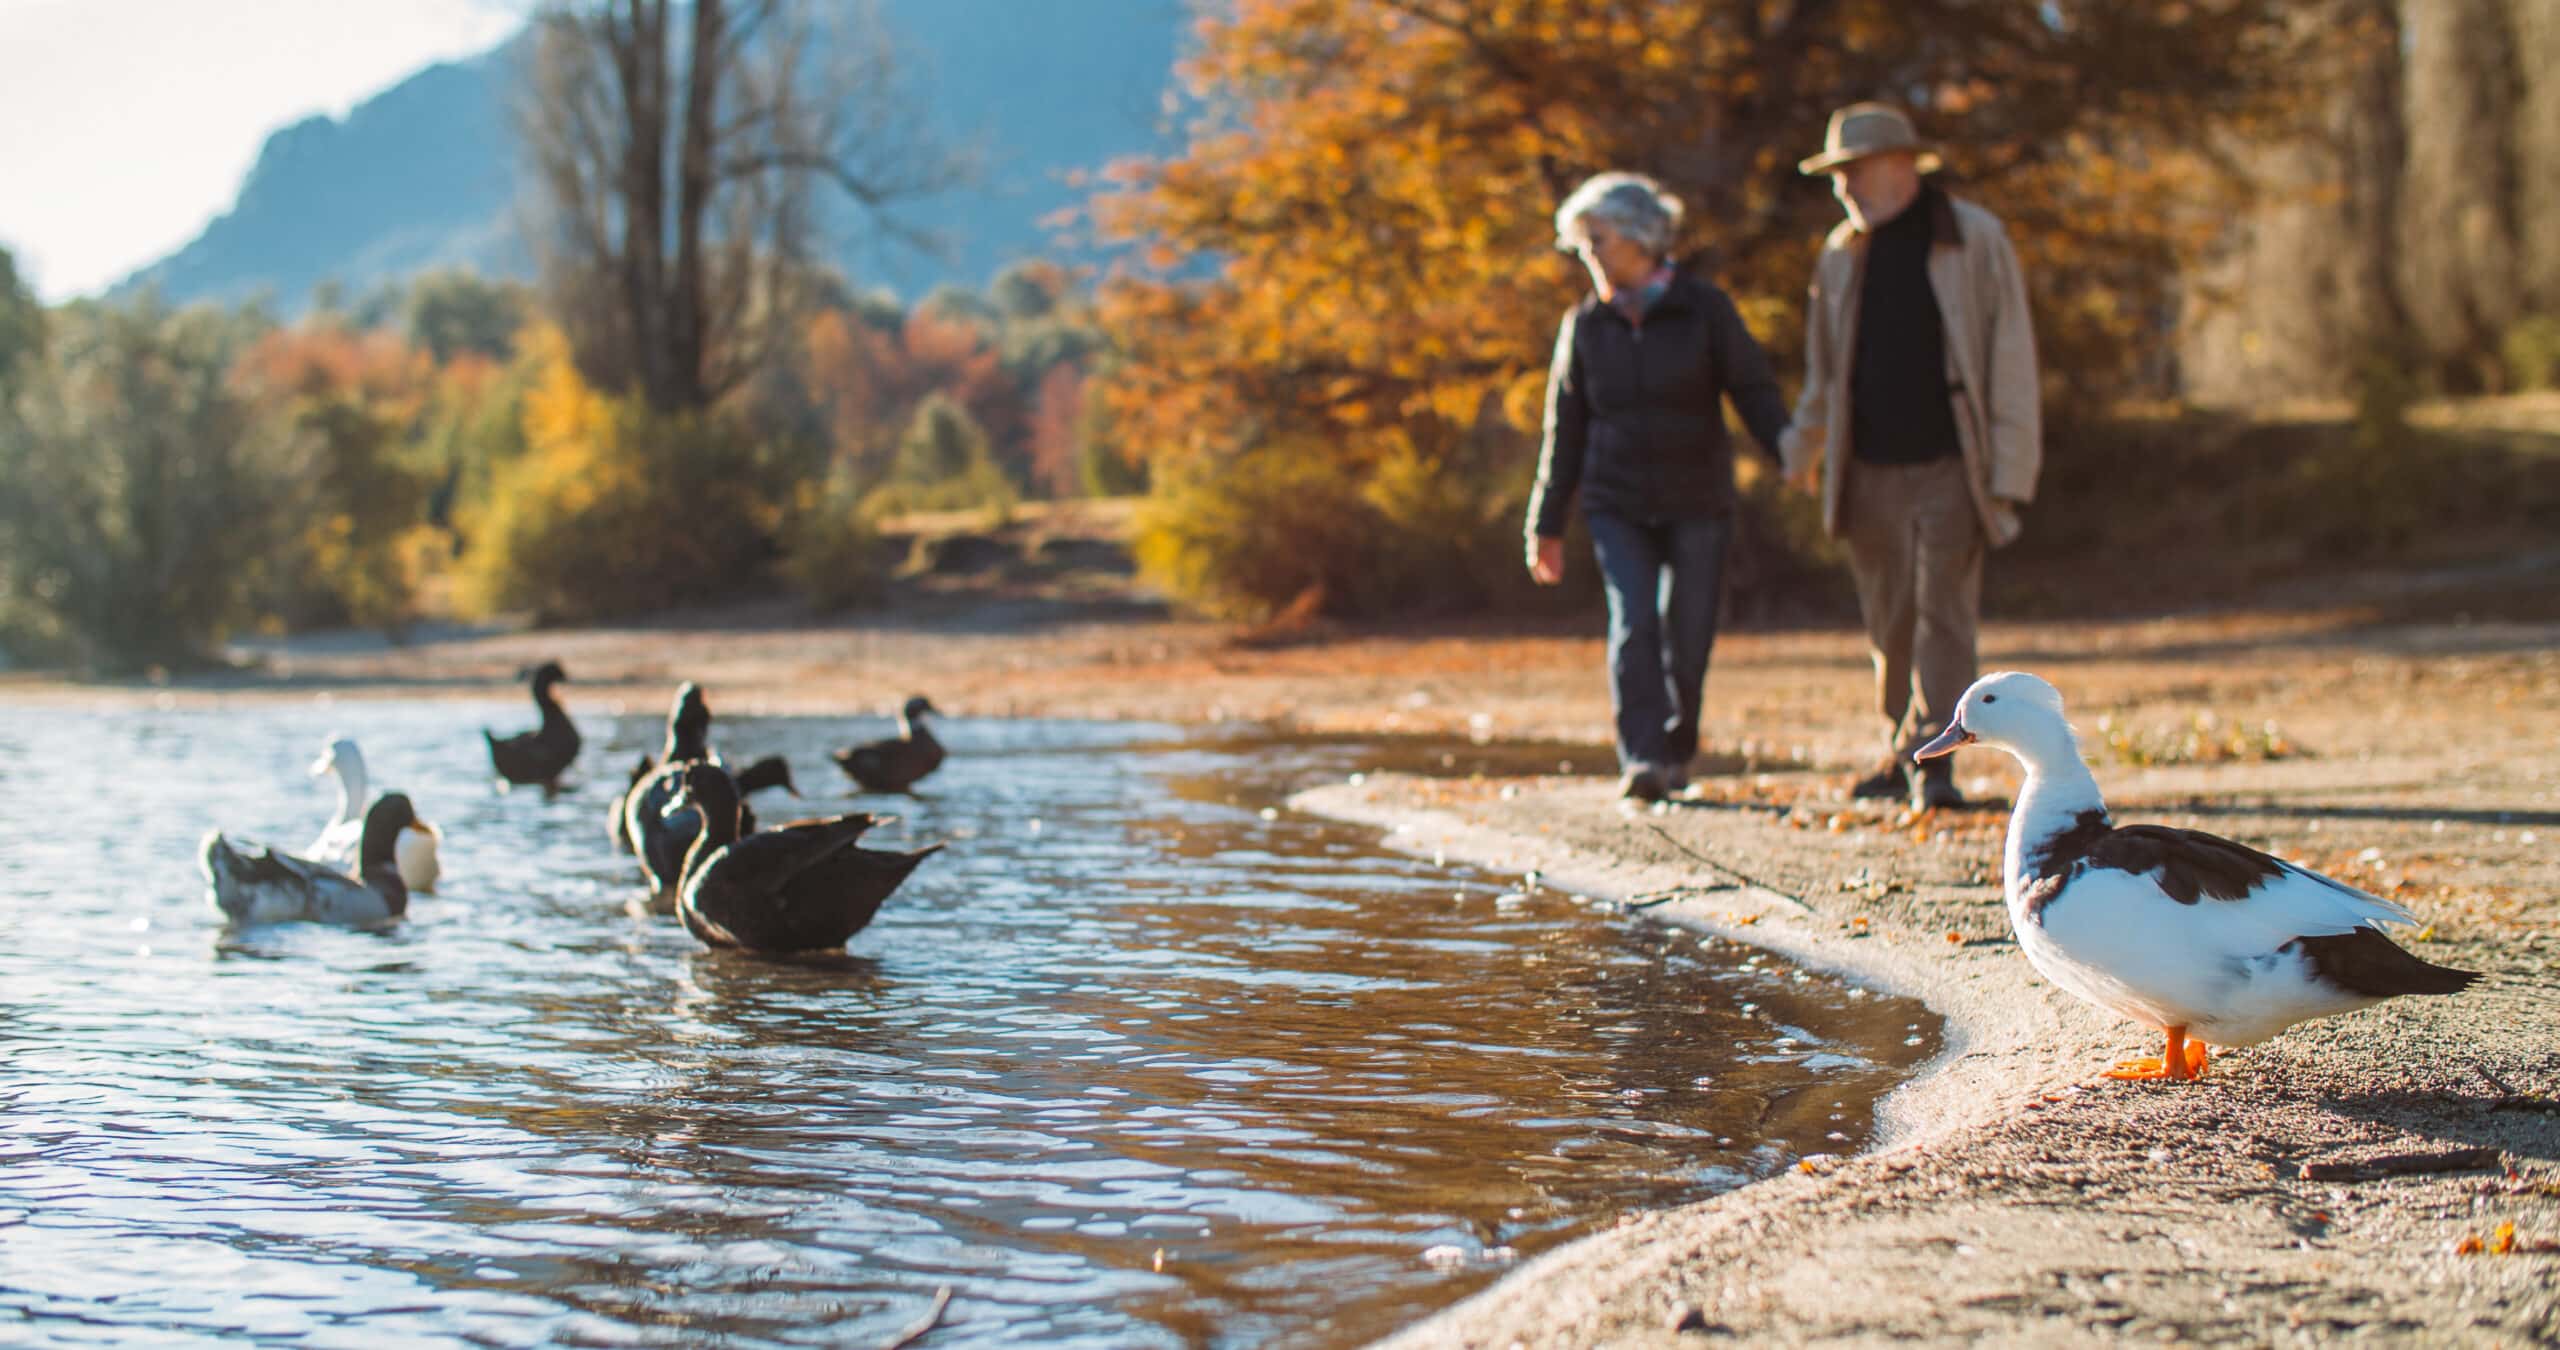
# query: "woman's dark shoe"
[[1891, 779], [1675, 777], [1643, 783]]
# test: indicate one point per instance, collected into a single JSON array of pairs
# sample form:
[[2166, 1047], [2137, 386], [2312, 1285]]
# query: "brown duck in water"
[[804, 886], [538, 757], [896, 764]]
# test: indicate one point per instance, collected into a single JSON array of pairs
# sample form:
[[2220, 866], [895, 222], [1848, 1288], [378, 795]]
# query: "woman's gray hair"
[[1634, 206]]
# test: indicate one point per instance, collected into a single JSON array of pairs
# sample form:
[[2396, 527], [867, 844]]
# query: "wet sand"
[[2016, 1196]]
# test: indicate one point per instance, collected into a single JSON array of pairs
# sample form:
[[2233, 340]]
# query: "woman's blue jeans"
[[1662, 577]]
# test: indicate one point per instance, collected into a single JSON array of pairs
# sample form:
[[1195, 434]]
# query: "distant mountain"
[[425, 174]]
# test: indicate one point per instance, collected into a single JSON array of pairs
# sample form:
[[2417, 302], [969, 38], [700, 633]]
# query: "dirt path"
[[2017, 1196]]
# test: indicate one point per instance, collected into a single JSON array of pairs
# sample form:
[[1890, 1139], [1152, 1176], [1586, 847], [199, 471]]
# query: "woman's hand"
[[1546, 560]]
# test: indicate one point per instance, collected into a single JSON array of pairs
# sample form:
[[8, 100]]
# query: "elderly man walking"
[[1920, 412]]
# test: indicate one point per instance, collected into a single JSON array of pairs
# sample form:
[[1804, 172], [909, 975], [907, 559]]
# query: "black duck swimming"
[[661, 836], [663, 861], [256, 885], [898, 763], [538, 757], [804, 886], [688, 739]]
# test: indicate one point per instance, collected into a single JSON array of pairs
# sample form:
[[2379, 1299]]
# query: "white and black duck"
[[342, 838], [538, 757], [898, 763], [2199, 937], [256, 885], [805, 886]]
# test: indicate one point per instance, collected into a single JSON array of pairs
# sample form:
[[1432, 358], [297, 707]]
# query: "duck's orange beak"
[[1946, 742]]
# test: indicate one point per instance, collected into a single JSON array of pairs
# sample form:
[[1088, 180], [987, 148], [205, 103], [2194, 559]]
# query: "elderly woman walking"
[[1635, 426]]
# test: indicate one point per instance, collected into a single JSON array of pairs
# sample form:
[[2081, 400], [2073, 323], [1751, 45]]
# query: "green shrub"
[[138, 492], [2532, 351], [944, 463], [1245, 536], [639, 512], [1242, 537], [831, 547]]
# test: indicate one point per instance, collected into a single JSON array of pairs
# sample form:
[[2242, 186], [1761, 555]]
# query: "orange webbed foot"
[[2180, 1061]]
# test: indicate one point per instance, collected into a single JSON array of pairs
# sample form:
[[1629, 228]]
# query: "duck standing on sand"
[[2206, 939], [805, 886], [538, 757], [259, 885], [342, 839], [896, 764]]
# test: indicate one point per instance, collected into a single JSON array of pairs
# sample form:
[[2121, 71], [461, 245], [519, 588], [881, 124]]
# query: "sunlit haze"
[[126, 125]]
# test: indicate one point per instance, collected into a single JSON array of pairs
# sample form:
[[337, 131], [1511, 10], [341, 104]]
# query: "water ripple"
[[1132, 1064]]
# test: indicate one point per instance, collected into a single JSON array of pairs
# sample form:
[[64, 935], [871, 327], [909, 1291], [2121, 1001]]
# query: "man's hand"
[[1546, 560], [2006, 524], [1802, 467]]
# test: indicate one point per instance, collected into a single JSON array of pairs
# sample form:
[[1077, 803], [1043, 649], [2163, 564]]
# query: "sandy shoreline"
[[2015, 1196]]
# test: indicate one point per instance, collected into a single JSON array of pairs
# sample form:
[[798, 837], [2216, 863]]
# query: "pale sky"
[[125, 125]]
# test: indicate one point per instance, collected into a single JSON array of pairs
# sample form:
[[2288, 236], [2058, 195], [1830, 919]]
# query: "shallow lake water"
[[1140, 1060]]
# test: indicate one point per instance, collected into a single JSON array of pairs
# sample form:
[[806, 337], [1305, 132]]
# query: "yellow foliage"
[[612, 508]]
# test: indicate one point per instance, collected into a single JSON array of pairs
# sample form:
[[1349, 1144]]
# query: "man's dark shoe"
[[1675, 777], [1891, 779], [1938, 786], [1643, 783]]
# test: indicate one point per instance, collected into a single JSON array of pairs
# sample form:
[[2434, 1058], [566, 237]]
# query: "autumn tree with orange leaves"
[[1353, 256]]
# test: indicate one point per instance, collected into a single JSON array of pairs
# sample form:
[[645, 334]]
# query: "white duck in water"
[[259, 885], [343, 836], [2205, 939]]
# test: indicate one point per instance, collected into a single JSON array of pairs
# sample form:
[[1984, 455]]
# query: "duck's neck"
[[549, 705], [719, 830], [2058, 793], [378, 866], [911, 727], [686, 743], [350, 770]]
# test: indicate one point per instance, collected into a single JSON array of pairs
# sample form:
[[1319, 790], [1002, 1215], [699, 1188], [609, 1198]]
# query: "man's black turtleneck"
[[1899, 411]]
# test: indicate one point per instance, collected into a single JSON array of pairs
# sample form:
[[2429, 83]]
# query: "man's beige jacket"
[[1991, 363]]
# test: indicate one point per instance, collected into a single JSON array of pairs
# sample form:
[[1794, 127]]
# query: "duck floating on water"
[[661, 837], [538, 757], [804, 886], [898, 763], [2205, 939], [341, 841], [257, 885], [688, 739]]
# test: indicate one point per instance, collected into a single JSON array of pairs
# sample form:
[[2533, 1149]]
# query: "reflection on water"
[[1131, 1064]]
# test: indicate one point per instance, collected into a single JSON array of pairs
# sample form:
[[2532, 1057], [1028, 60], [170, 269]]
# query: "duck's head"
[[919, 705], [2007, 710], [769, 772], [705, 787], [689, 723], [340, 755], [545, 675], [390, 813]]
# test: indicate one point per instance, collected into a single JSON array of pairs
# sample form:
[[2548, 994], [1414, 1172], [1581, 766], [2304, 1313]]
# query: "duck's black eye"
[[1991, 698]]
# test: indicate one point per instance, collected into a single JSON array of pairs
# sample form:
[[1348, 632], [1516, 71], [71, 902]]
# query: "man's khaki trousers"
[[1915, 548]]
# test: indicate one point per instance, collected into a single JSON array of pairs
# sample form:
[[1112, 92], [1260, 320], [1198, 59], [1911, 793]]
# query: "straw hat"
[[1864, 129]]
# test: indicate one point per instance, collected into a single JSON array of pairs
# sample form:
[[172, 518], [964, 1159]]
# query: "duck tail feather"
[[2367, 963]]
